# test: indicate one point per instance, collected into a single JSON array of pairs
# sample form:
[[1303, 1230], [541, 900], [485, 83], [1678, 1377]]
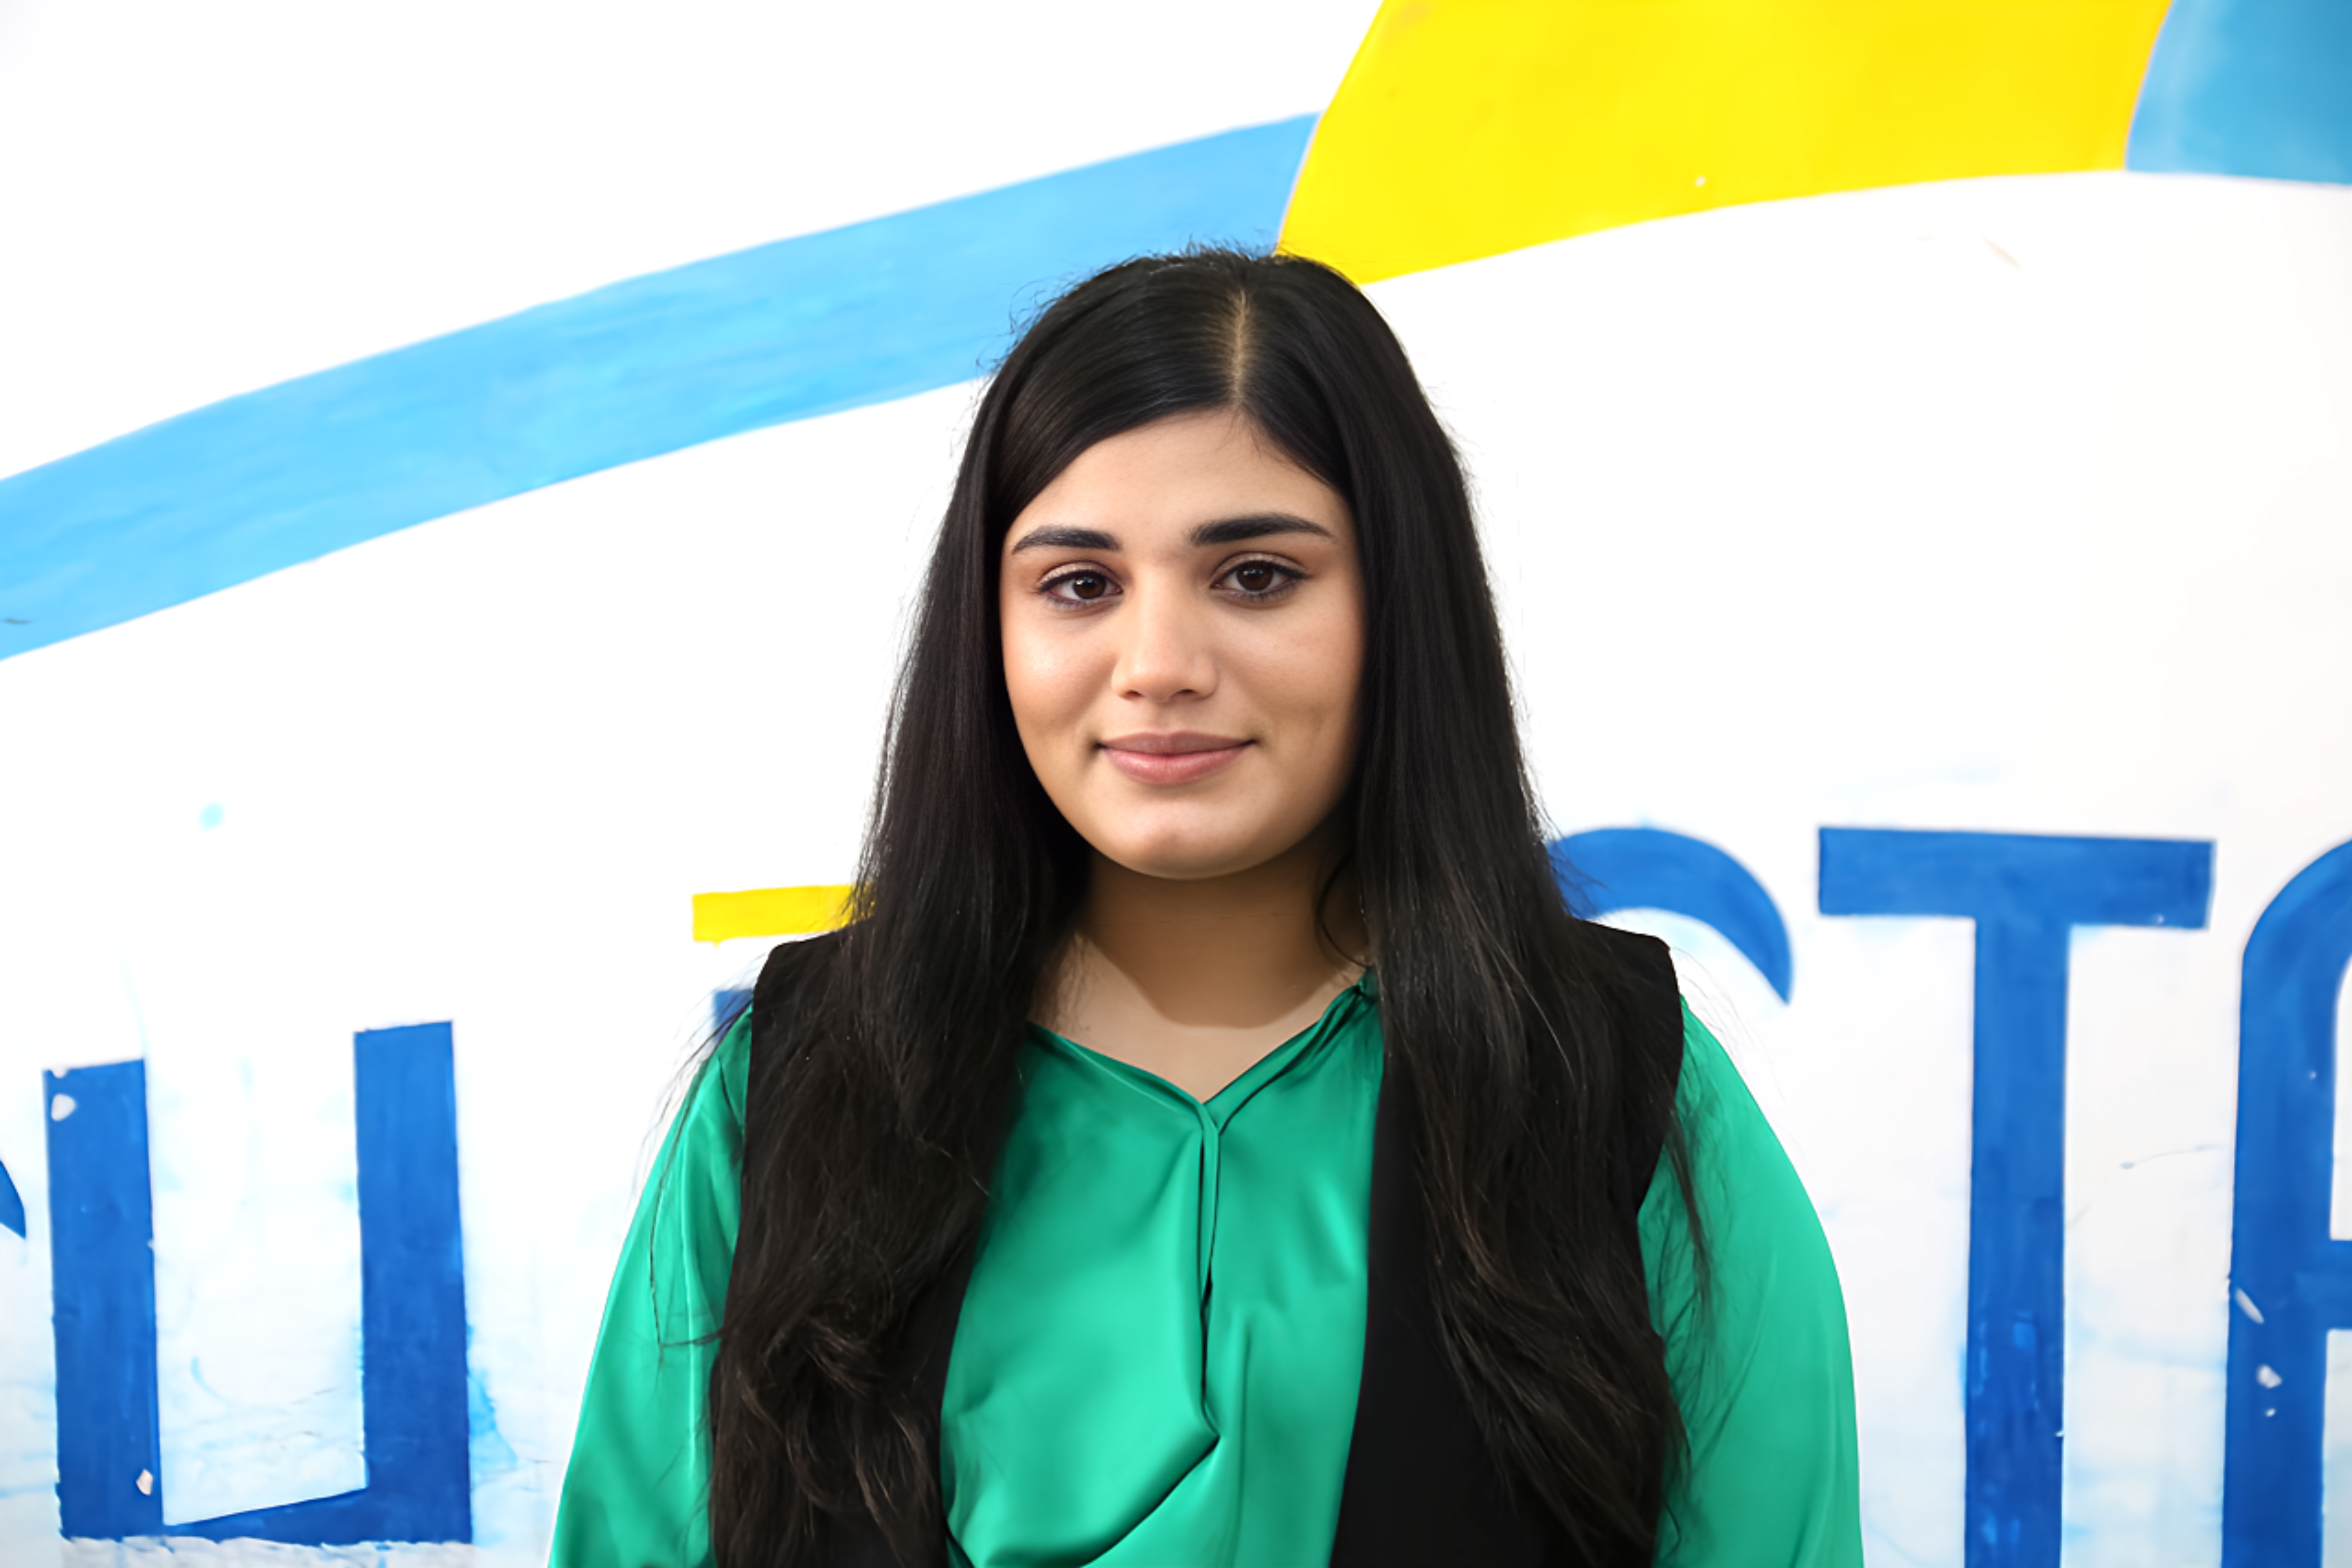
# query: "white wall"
[[2015, 504]]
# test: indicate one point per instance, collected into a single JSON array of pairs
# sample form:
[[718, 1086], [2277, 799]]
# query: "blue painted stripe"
[[2291, 1279], [1613, 868], [102, 1263], [12, 1205], [413, 1284], [2249, 87], [807, 326]]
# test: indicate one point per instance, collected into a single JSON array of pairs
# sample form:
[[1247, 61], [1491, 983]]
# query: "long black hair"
[[881, 1083]]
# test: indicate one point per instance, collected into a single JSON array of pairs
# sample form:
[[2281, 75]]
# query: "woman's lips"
[[1171, 759]]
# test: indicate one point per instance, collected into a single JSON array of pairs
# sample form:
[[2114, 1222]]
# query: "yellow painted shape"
[[1468, 128], [770, 911]]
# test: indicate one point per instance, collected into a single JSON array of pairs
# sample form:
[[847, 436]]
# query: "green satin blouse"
[[1158, 1354], [1156, 1357]]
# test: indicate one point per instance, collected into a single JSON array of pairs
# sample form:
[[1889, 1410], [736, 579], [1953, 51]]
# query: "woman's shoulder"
[[1636, 976], [709, 1116], [1641, 988], [721, 1089], [1680, 1078], [796, 983], [795, 976], [1754, 1324], [1760, 1223]]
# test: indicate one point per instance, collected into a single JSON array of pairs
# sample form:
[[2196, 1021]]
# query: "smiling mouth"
[[1171, 759]]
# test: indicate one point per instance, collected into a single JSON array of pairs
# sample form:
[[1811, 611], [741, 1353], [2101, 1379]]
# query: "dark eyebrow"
[[1242, 530], [1226, 530], [1064, 538]]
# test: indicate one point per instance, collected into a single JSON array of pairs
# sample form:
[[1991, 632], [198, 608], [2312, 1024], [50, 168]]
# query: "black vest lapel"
[[1420, 1486], [857, 1541]]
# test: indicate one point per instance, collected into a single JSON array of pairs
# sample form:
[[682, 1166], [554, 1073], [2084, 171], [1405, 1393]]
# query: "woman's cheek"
[[1064, 680], [1050, 683], [1320, 669]]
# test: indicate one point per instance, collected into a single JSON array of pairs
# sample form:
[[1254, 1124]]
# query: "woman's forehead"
[[1190, 479]]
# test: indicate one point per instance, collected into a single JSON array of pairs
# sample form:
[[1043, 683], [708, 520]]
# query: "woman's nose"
[[1164, 652]]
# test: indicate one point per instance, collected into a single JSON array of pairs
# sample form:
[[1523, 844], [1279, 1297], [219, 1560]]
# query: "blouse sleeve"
[[636, 1492], [1759, 1364]]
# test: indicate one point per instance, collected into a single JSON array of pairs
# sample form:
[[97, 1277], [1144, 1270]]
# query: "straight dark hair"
[[881, 1084]]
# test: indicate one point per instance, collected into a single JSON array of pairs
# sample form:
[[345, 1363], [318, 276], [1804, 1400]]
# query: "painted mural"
[[465, 472]]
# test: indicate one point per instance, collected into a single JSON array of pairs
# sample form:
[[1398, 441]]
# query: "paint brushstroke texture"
[[2260, 88], [807, 326], [12, 1205], [413, 1307], [836, 321]]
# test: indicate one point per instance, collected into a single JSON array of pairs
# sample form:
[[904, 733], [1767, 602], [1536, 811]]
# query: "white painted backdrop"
[[2013, 504]]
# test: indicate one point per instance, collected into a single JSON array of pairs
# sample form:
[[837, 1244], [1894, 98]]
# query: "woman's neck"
[[1196, 981]]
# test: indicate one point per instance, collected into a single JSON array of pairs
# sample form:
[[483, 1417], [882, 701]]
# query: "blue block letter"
[[11, 1206], [412, 1309], [2290, 1278], [2025, 894], [1612, 869]]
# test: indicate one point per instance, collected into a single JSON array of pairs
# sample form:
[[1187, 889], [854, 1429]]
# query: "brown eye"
[[1266, 580], [1081, 588]]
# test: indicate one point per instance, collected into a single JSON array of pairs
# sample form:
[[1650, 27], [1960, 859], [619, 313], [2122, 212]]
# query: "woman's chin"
[[1189, 857]]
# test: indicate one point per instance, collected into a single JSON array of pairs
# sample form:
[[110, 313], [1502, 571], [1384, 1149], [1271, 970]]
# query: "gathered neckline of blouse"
[[1226, 1103]]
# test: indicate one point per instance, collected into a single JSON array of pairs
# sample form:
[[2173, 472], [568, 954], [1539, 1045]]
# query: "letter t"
[[2025, 894]]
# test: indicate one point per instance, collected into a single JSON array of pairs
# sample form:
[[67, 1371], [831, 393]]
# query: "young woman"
[[1214, 1141]]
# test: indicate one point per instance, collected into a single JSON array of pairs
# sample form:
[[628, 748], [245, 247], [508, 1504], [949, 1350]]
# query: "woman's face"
[[1184, 614]]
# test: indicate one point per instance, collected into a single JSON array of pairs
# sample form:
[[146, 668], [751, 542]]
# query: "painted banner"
[[463, 473]]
